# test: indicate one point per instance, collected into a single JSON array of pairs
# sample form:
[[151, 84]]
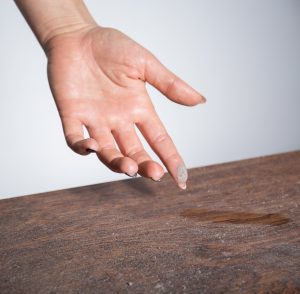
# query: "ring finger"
[[131, 146]]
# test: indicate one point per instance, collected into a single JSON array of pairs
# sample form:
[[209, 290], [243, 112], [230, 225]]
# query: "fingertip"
[[202, 100], [157, 172], [199, 100], [186, 95], [91, 145], [85, 146], [128, 166], [182, 186], [151, 169], [181, 176]]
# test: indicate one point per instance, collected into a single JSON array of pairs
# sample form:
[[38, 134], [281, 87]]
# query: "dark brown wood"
[[235, 230]]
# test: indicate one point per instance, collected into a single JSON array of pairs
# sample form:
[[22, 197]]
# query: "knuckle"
[[170, 85], [171, 156], [104, 148], [133, 151], [162, 137]]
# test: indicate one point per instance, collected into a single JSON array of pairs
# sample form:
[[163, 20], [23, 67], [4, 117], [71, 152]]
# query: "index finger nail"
[[182, 176]]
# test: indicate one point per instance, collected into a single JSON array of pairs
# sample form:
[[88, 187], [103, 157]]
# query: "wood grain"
[[235, 230]]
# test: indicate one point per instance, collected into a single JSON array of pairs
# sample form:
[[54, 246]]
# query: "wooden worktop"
[[236, 229]]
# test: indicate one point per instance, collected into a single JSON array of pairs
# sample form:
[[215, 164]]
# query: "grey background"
[[244, 56]]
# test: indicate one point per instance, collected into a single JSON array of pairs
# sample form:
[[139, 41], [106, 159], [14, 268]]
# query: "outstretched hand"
[[97, 76]]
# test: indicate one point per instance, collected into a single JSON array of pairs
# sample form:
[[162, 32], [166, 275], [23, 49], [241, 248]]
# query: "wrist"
[[51, 18], [59, 29]]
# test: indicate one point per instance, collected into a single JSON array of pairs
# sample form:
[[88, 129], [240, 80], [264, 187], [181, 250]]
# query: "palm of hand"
[[97, 78]]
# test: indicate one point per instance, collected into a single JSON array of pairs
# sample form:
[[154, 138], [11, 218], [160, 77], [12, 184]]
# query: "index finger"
[[160, 141]]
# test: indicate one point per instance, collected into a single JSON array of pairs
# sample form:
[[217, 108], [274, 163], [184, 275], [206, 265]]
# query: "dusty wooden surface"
[[236, 229]]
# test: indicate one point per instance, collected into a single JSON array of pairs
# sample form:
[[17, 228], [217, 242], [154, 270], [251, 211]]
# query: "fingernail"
[[155, 180], [203, 100], [182, 186], [132, 176], [90, 150], [182, 176]]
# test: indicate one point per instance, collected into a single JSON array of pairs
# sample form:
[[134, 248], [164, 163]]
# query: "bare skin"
[[97, 76]]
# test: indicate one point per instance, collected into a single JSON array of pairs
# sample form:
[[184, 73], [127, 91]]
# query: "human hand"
[[97, 76]]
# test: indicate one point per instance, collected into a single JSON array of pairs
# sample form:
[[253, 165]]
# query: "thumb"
[[169, 84]]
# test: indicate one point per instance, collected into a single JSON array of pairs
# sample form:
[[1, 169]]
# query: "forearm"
[[49, 18]]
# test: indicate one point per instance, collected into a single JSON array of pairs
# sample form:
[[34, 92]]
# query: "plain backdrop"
[[244, 56]]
